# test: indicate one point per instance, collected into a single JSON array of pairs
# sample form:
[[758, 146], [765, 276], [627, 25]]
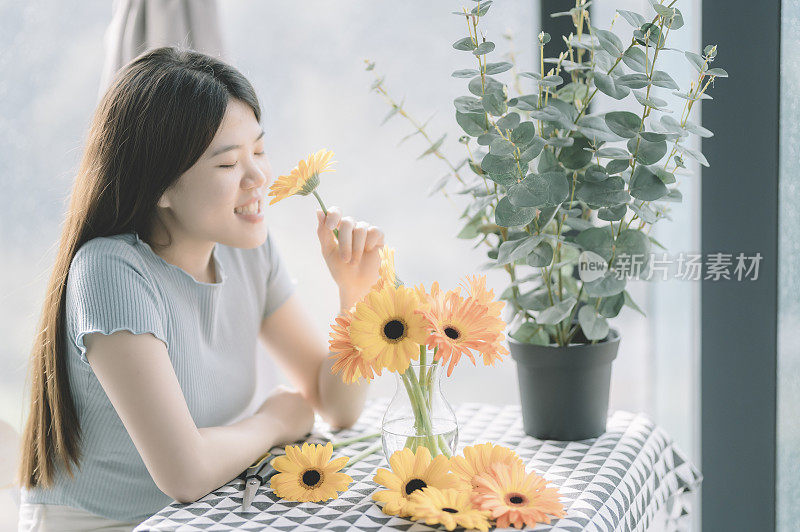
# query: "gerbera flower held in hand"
[[515, 497], [350, 360], [309, 474], [410, 472], [386, 328], [303, 179], [449, 508], [478, 459]]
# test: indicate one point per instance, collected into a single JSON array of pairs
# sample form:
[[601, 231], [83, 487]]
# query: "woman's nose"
[[255, 177]]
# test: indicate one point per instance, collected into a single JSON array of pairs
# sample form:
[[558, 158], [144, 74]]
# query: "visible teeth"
[[251, 208]]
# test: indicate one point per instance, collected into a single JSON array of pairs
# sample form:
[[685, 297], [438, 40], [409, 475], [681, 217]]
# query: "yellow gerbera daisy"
[[388, 276], [387, 328], [410, 472], [478, 459], [309, 474], [350, 360], [515, 497], [449, 508], [303, 178]]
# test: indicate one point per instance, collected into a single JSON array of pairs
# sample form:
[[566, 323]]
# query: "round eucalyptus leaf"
[[541, 256], [635, 59], [465, 73], [497, 68], [613, 214], [576, 156], [609, 85], [632, 250], [510, 121], [633, 81], [597, 240], [473, 124], [594, 326], [623, 123], [540, 190], [501, 146], [557, 313], [532, 151], [648, 152], [512, 250], [633, 18], [595, 128], [494, 103], [464, 44], [610, 306], [608, 285], [468, 104], [662, 79], [595, 174], [506, 215], [608, 193], [616, 166], [523, 133], [484, 48], [486, 85]]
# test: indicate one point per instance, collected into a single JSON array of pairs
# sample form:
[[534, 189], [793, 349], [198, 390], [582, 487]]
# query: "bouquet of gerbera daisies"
[[394, 325], [412, 332]]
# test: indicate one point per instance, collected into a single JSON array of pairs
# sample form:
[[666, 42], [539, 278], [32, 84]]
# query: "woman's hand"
[[291, 411], [354, 259]]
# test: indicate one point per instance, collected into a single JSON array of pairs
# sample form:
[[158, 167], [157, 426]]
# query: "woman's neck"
[[191, 255]]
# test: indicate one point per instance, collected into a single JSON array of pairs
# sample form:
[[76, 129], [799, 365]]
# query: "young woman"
[[162, 286]]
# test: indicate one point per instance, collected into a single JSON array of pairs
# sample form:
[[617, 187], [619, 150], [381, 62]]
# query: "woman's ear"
[[163, 201]]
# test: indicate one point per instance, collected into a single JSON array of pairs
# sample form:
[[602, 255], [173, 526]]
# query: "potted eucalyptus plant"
[[564, 198]]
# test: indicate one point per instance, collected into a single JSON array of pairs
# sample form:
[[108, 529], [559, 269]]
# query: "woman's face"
[[221, 197]]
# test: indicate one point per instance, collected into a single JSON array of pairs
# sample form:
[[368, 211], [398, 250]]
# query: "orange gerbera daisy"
[[478, 459], [515, 497], [349, 359], [304, 178], [457, 326]]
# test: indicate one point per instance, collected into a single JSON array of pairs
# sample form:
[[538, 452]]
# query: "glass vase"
[[419, 414]]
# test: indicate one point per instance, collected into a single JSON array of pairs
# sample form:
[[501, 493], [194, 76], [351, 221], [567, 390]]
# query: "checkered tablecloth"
[[618, 481]]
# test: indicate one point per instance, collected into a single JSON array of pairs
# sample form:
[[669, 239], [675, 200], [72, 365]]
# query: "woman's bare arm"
[[289, 334], [185, 462]]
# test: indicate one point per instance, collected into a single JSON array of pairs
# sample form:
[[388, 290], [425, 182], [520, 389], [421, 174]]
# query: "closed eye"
[[234, 164]]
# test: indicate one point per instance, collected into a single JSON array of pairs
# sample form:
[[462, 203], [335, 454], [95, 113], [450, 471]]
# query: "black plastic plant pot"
[[564, 390]]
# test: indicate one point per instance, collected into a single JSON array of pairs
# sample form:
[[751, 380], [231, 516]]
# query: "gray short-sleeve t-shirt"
[[210, 330]]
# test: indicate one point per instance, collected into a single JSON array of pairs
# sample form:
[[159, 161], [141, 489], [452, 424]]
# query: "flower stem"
[[367, 452], [324, 210], [348, 441]]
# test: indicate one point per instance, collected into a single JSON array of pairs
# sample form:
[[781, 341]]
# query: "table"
[[618, 481]]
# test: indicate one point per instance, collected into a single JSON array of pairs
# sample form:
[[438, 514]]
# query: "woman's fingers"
[[326, 239], [346, 238], [374, 238], [333, 218], [359, 239]]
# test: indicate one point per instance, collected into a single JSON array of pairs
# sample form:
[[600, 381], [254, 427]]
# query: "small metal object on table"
[[618, 481]]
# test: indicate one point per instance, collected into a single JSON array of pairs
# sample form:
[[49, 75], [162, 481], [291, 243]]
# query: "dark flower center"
[[516, 498], [394, 329], [311, 478], [451, 333], [450, 510], [415, 484]]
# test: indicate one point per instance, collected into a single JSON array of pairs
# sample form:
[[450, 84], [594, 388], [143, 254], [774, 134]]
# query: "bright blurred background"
[[306, 61]]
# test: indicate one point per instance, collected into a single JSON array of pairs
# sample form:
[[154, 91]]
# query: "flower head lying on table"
[[488, 482]]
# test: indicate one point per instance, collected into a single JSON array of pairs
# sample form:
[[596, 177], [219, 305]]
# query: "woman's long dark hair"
[[159, 115]]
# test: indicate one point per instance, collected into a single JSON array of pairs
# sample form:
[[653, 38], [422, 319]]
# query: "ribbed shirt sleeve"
[[108, 291], [280, 284]]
